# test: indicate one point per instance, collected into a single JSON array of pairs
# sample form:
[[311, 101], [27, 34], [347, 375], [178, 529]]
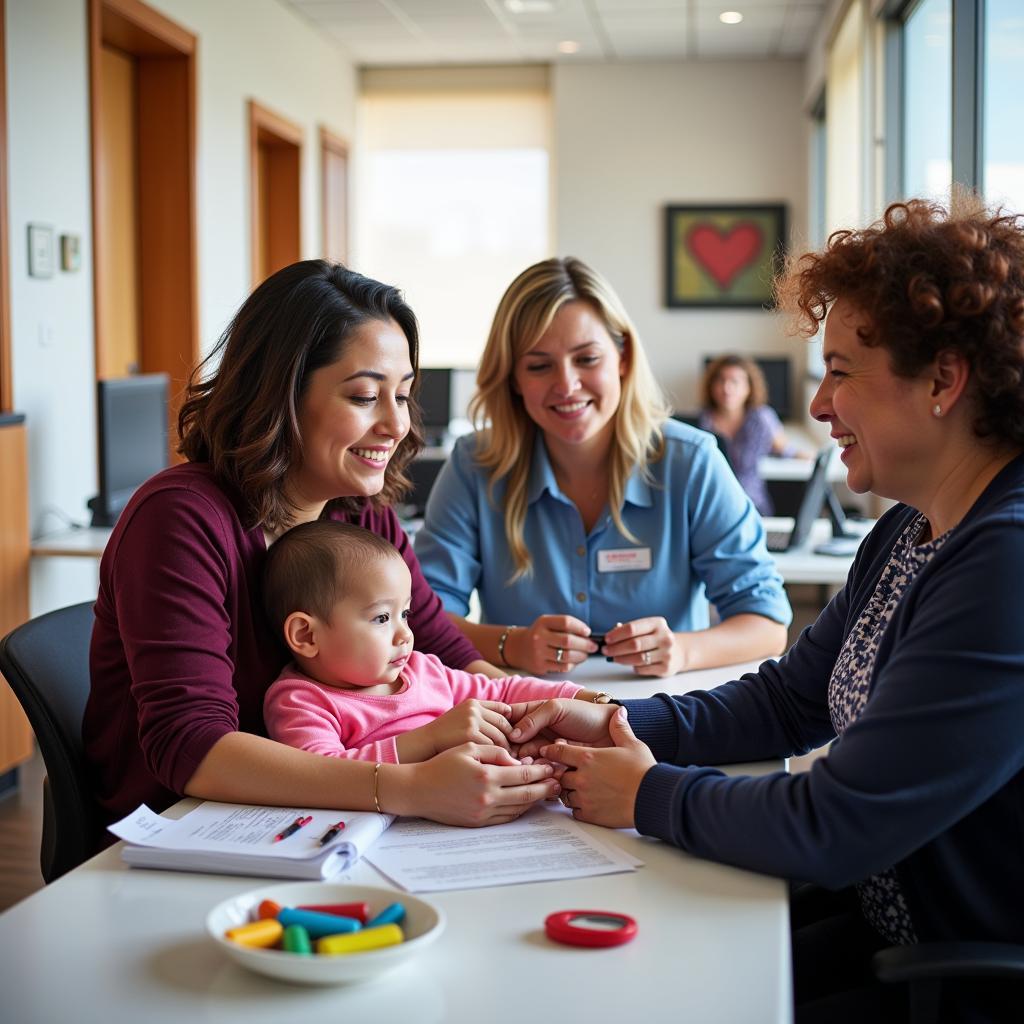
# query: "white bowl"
[[422, 925]]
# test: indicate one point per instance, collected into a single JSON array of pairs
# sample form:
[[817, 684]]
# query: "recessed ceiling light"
[[730, 17], [529, 6], [568, 46]]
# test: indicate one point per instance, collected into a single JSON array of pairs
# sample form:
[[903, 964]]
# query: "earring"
[[936, 409]]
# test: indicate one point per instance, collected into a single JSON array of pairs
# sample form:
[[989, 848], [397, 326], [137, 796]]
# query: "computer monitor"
[[434, 396], [817, 493], [131, 415]]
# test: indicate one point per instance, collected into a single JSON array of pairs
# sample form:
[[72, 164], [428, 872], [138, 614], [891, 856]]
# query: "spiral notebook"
[[238, 839]]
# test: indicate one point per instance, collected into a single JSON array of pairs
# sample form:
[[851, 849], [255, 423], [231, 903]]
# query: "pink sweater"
[[350, 723]]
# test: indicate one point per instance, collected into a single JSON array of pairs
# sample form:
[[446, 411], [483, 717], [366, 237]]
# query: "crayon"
[[361, 941]]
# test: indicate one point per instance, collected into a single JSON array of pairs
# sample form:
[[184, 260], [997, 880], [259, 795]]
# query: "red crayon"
[[360, 911]]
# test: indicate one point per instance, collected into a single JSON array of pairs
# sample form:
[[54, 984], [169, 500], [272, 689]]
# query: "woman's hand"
[[537, 722], [648, 646], [472, 721], [553, 643], [470, 785], [600, 785]]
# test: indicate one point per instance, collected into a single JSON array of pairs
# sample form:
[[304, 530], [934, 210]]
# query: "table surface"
[[802, 565], [108, 943]]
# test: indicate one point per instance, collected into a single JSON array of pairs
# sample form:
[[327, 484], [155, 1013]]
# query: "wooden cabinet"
[[15, 734]]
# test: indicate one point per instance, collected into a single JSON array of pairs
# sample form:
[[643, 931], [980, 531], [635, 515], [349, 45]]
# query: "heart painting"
[[723, 255]]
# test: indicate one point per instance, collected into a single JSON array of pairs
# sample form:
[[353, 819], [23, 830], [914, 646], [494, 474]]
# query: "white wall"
[[247, 48], [631, 138]]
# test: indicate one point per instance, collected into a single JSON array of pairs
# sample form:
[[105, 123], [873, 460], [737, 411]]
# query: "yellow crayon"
[[264, 933], [359, 942]]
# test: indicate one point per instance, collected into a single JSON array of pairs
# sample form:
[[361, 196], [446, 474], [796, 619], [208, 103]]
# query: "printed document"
[[236, 839], [544, 844]]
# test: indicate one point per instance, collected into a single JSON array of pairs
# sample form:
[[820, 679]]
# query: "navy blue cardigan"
[[929, 778]]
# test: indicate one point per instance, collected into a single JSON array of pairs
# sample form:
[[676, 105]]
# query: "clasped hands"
[[558, 643], [598, 762]]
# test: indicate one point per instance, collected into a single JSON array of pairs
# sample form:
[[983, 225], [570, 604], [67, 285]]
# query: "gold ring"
[[647, 657], [558, 654]]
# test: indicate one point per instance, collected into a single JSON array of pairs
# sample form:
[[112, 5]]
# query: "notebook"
[[237, 839]]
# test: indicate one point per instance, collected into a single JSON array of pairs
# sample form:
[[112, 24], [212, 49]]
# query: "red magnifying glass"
[[597, 929]]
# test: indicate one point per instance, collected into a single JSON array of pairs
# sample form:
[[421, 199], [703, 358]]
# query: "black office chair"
[[925, 966], [46, 664]]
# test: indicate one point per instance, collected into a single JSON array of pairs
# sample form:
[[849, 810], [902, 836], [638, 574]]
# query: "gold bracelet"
[[501, 645], [376, 780]]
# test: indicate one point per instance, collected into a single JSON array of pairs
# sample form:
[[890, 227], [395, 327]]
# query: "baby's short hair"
[[307, 567]]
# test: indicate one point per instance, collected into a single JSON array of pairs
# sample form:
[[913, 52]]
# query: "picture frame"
[[723, 255]]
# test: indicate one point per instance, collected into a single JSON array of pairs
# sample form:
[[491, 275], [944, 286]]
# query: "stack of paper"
[[235, 839], [544, 844]]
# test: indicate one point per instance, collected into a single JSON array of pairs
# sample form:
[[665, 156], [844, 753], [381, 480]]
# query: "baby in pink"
[[340, 596]]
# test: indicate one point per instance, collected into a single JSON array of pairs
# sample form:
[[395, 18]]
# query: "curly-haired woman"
[[915, 669]]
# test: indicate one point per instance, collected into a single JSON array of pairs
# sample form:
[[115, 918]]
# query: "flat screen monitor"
[[434, 395], [776, 377], [131, 415]]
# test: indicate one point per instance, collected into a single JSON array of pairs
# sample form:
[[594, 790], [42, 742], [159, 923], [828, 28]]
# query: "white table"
[[109, 944], [802, 565], [87, 542]]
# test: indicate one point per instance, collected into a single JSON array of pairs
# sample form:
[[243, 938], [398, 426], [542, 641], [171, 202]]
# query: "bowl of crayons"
[[318, 933]]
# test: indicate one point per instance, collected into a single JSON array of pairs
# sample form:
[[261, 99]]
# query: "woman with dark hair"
[[734, 397], [305, 414], [915, 670]]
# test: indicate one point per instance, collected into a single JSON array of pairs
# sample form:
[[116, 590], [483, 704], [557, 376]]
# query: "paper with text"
[[543, 845], [239, 839]]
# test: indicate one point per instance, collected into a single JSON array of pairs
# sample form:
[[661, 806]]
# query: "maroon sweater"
[[182, 652]]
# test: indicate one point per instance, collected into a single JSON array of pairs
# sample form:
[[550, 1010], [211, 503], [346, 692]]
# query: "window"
[[454, 204], [1003, 158], [928, 100]]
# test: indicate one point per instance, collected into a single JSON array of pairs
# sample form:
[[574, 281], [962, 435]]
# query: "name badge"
[[624, 560]]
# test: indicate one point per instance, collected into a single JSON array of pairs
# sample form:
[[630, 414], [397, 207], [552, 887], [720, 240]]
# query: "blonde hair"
[[524, 313]]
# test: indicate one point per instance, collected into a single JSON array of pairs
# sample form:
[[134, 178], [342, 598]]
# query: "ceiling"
[[418, 32]]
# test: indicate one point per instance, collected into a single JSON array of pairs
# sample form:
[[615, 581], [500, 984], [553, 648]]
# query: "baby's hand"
[[472, 721]]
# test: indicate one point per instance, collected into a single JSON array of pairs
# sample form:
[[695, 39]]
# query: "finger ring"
[[647, 657], [558, 654]]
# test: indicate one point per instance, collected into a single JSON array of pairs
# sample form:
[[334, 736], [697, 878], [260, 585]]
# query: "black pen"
[[331, 833]]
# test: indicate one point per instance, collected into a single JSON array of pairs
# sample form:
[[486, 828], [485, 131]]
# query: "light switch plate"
[[40, 250], [70, 252]]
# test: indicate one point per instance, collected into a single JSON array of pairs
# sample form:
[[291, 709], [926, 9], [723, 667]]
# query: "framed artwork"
[[719, 255]]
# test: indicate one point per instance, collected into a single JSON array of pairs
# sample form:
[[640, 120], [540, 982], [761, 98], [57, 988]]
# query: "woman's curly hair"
[[930, 280]]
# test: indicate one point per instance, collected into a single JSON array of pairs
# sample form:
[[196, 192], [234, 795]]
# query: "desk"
[[87, 542], [802, 565], [109, 944]]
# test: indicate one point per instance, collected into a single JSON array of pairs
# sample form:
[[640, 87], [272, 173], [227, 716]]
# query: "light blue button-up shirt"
[[694, 525]]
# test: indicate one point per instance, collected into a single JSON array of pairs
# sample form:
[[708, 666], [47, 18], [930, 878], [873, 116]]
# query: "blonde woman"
[[586, 518]]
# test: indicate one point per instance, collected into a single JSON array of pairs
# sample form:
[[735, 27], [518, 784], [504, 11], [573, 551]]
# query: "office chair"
[[46, 663], [924, 967]]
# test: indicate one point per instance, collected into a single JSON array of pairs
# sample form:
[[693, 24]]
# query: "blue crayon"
[[392, 914], [318, 924]]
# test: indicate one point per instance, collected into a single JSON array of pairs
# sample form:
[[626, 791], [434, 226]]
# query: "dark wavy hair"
[[241, 408], [758, 388], [930, 280]]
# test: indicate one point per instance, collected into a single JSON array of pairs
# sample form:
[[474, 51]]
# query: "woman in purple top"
[[734, 397], [306, 413]]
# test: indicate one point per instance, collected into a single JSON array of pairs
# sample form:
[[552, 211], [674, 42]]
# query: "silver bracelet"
[[501, 645]]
